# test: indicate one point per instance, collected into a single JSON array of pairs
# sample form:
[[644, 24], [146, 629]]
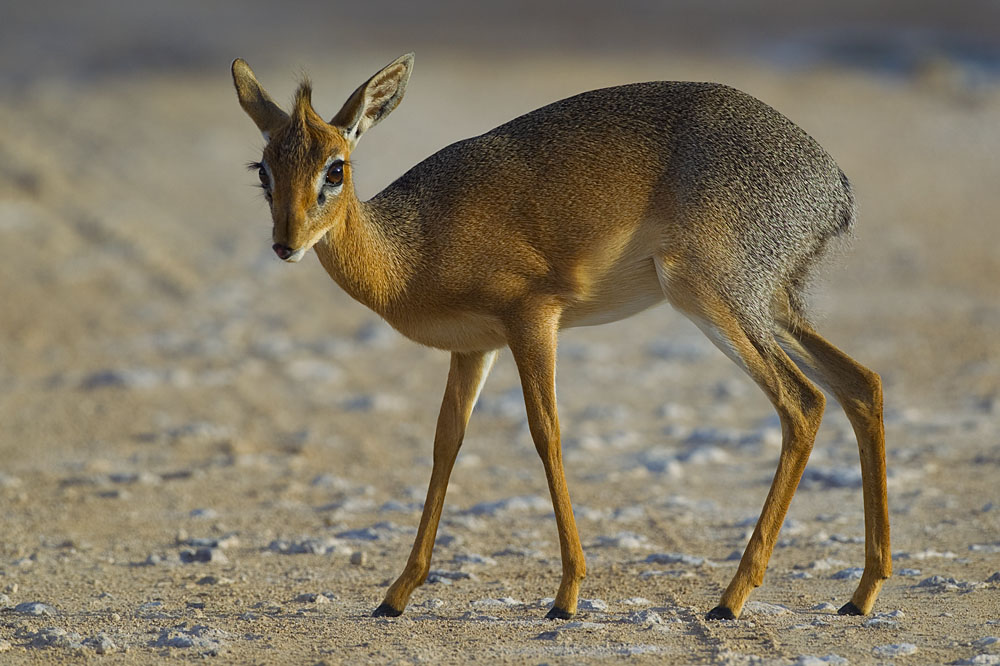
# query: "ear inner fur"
[[374, 99]]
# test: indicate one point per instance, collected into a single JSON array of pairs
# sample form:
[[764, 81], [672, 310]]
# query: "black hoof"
[[849, 609], [385, 610], [556, 613], [720, 613]]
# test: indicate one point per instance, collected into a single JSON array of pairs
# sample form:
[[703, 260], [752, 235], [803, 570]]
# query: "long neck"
[[372, 255]]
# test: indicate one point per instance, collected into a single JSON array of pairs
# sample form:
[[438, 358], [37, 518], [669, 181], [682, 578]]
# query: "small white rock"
[[56, 637], [850, 573], [763, 608], [580, 624], [312, 598], [645, 618], [592, 605], [36, 608], [894, 650], [637, 601], [884, 620], [101, 643], [431, 604], [503, 602], [984, 659]]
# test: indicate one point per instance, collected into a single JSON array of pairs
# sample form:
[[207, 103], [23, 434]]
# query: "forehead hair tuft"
[[301, 140], [302, 105]]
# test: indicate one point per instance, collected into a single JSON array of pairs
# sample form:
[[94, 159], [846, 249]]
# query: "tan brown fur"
[[584, 212]]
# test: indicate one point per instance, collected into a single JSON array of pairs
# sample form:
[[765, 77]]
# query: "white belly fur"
[[629, 287], [461, 332], [626, 290]]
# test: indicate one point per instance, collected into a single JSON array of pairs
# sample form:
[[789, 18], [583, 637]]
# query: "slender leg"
[[465, 380], [799, 405], [533, 343], [859, 391]]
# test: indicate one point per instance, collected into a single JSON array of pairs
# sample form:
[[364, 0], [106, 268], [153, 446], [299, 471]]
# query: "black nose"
[[283, 251]]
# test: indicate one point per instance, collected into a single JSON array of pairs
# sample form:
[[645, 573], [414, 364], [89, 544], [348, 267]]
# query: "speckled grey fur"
[[741, 177]]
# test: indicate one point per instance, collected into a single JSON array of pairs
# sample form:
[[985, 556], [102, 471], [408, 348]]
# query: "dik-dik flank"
[[583, 212]]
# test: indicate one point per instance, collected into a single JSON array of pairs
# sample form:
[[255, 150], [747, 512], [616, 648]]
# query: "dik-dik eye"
[[265, 179], [335, 174]]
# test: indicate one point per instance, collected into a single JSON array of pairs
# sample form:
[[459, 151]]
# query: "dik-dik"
[[583, 212]]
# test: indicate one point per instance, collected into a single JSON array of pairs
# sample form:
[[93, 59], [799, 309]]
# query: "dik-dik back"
[[582, 194], [583, 212]]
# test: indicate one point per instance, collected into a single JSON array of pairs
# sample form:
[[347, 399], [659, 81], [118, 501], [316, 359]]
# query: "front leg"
[[465, 380], [532, 341]]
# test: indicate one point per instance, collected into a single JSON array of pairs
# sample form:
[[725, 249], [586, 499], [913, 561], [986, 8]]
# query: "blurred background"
[[140, 291], [164, 376], [112, 39]]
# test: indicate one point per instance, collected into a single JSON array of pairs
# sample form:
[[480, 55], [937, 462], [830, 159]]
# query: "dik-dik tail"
[[583, 212], [791, 306]]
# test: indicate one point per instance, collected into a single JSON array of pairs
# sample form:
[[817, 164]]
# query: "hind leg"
[[859, 391], [799, 405]]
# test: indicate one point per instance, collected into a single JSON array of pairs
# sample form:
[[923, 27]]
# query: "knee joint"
[[865, 398]]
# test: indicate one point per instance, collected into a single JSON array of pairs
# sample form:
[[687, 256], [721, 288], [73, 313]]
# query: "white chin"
[[296, 256]]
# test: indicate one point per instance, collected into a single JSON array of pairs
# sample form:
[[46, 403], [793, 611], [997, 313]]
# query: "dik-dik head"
[[306, 168]]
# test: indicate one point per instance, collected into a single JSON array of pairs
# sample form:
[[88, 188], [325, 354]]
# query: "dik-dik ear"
[[374, 99], [267, 115]]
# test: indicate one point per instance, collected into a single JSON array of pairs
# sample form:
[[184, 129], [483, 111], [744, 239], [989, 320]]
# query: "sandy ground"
[[171, 393]]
